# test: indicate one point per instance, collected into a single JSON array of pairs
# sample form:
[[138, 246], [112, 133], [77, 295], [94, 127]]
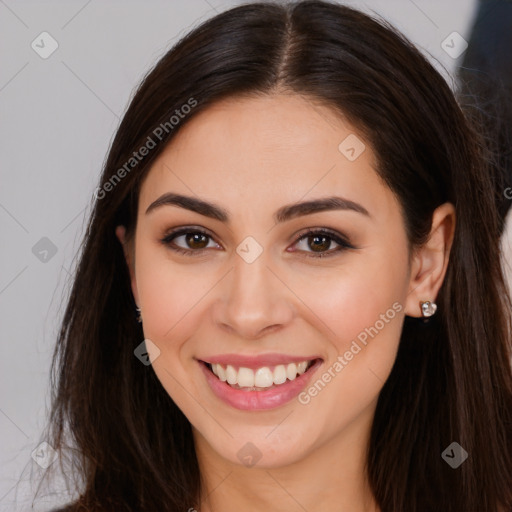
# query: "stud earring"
[[139, 316], [428, 308]]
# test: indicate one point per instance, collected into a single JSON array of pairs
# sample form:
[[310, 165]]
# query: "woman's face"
[[257, 295]]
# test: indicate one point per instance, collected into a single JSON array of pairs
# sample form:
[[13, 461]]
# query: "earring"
[[139, 317], [428, 308]]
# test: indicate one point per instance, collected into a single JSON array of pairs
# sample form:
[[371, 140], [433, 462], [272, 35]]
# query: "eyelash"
[[342, 242]]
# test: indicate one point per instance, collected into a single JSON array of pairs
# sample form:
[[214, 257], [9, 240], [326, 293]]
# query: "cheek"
[[365, 306], [363, 310], [169, 293], [171, 301], [348, 300], [360, 314]]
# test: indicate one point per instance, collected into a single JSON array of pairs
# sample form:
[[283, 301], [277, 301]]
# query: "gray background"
[[58, 116]]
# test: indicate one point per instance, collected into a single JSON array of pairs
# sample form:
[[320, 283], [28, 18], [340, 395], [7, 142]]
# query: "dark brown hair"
[[131, 446]]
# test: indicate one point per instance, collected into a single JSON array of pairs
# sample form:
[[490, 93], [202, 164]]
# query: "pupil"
[[324, 245], [194, 238]]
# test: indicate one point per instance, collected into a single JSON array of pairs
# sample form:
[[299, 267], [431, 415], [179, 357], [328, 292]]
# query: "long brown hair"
[[131, 447]]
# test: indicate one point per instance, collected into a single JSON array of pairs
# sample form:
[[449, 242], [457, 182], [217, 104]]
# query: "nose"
[[253, 300]]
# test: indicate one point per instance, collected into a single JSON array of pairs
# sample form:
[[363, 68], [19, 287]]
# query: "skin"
[[284, 301]]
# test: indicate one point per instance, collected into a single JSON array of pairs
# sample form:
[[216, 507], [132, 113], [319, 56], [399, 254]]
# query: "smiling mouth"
[[260, 379]]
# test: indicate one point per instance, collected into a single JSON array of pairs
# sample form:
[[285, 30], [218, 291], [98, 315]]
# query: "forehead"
[[266, 151]]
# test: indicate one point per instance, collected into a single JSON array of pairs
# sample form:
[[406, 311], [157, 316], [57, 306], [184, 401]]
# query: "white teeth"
[[245, 378], [262, 377], [231, 374], [301, 367], [220, 372], [291, 371], [279, 374]]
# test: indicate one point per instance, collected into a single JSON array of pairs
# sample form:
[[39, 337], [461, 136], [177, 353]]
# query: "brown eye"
[[196, 240], [188, 241], [317, 243]]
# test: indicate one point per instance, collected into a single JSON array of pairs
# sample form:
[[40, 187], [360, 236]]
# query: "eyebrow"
[[284, 213]]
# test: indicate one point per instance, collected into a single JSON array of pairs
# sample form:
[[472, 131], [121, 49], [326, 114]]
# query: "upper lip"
[[258, 361]]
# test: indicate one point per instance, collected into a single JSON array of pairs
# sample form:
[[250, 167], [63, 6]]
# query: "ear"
[[129, 254], [430, 261]]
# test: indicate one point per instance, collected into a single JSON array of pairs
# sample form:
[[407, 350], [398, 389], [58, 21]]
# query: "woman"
[[289, 295]]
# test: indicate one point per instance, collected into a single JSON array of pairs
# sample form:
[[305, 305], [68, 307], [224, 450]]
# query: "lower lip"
[[259, 400]]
